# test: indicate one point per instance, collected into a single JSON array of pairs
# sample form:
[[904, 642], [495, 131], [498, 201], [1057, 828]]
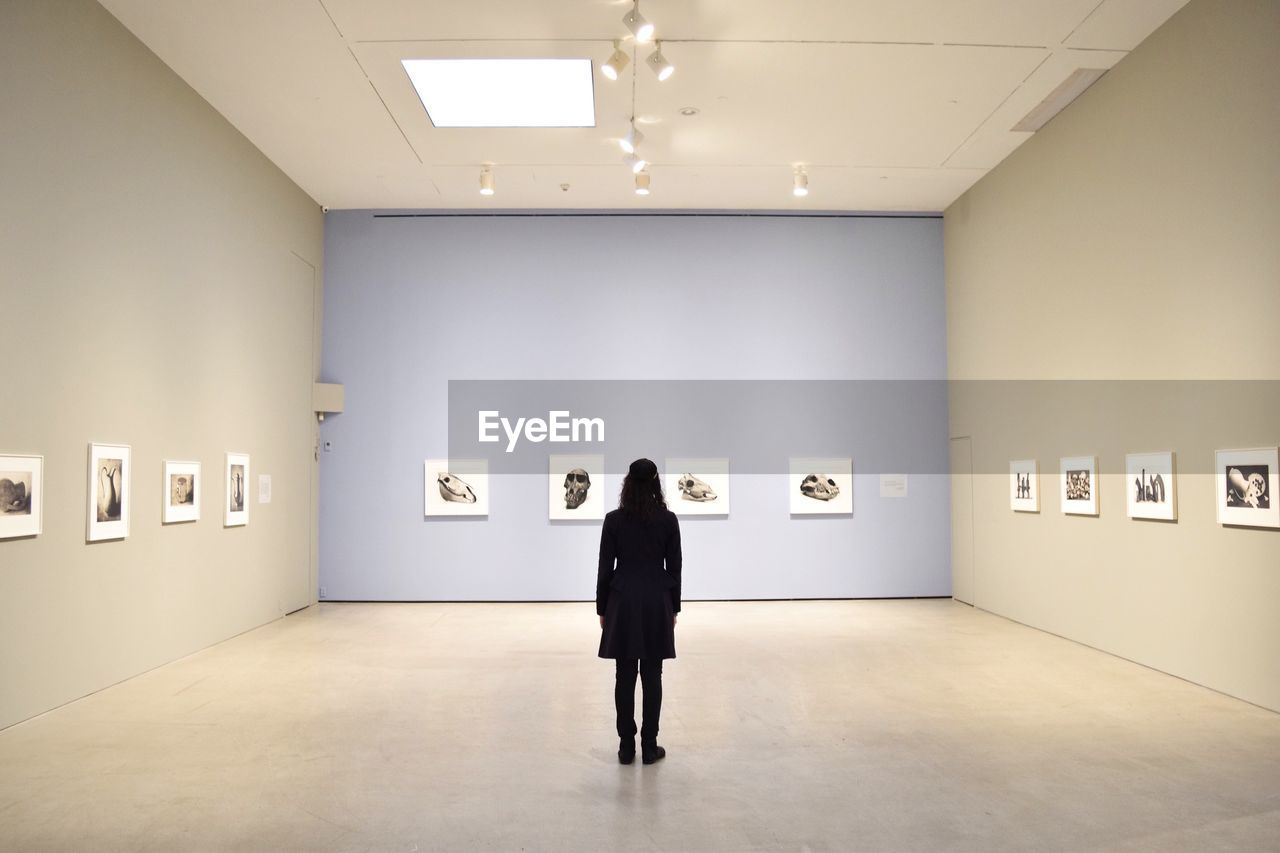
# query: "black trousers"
[[624, 697]]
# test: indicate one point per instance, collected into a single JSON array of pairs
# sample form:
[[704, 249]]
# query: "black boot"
[[651, 752], [626, 750]]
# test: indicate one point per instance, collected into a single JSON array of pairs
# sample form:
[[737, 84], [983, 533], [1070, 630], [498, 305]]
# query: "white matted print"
[[820, 485], [235, 504], [182, 482], [110, 470], [1024, 485], [697, 486], [575, 488], [456, 487], [1079, 485], [1246, 484], [1151, 486], [21, 496]]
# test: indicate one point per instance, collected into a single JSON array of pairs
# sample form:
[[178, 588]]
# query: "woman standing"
[[637, 602]]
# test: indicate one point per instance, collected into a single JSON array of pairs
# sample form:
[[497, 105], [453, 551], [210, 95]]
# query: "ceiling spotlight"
[[618, 61], [486, 181], [636, 162], [632, 140], [640, 28], [642, 183], [801, 185], [659, 63]]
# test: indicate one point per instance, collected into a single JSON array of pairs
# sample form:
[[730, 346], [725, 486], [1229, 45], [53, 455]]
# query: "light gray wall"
[[1135, 237], [149, 295], [412, 303]]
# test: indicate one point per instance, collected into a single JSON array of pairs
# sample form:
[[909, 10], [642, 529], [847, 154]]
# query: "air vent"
[[1068, 90]]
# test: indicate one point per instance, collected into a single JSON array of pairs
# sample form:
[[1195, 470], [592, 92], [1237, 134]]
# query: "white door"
[[962, 562]]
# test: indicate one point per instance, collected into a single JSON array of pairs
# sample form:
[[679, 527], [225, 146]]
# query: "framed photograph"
[[1151, 486], [181, 492], [820, 485], [110, 470], [21, 496], [236, 504], [696, 486], [456, 487], [575, 488], [1024, 485], [1246, 484], [1079, 491]]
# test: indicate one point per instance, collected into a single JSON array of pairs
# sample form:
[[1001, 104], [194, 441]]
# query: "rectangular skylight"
[[505, 92]]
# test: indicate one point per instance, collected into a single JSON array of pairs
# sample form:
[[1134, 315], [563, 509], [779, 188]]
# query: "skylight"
[[505, 92]]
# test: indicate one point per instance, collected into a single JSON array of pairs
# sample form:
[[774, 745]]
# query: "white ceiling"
[[889, 105]]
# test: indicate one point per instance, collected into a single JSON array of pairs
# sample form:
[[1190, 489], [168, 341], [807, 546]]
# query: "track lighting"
[[486, 181], [632, 140], [659, 63], [640, 28], [636, 162], [801, 184], [642, 183], [617, 61]]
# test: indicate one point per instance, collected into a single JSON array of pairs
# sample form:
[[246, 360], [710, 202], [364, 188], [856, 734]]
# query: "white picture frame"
[[1246, 481], [180, 490], [235, 491], [1151, 485], [110, 472], [564, 475], [1078, 485], [1024, 485], [455, 487], [696, 486], [811, 481], [21, 495]]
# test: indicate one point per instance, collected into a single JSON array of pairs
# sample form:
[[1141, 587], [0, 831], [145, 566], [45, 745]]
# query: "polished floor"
[[797, 726]]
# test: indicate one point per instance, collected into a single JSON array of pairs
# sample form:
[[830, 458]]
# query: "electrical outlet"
[[322, 592]]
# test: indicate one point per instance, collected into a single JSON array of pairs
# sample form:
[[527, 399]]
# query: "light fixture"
[[659, 63], [800, 186], [632, 140], [486, 181], [616, 62], [505, 92], [642, 183], [636, 162], [640, 28]]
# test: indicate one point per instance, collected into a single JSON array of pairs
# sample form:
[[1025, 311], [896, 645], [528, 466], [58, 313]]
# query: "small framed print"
[[110, 472], [1151, 485], [575, 488], [1246, 485], [820, 486], [1024, 485], [182, 484], [21, 496], [456, 487], [236, 503], [697, 486], [1079, 485]]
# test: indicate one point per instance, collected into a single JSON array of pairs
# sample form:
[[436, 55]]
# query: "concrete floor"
[[805, 726]]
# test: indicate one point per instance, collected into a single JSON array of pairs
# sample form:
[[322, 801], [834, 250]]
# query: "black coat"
[[639, 599]]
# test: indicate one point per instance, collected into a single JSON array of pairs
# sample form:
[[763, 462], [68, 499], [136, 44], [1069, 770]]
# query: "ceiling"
[[888, 105]]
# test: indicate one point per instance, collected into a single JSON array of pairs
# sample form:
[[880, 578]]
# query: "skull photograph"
[[693, 489], [454, 489], [576, 485], [820, 487]]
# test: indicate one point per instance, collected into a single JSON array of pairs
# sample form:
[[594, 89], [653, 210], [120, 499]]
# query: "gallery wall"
[[157, 289], [1133, 238], [414, 302]]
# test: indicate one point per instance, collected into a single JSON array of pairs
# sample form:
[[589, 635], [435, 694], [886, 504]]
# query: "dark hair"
[[641, 490]]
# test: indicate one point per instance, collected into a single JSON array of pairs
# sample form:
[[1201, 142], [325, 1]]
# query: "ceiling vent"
[[1068, 90]]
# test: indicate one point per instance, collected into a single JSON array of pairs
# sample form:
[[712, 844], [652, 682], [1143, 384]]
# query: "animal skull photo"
[[454, 489], [693, 489], [820, 487], [576, 484]]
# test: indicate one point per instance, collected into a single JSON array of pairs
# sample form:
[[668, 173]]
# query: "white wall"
[[1135, 237], [156, 289]]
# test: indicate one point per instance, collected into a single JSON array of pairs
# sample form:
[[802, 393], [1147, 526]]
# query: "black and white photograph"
[[20, 495], [1079, 490], [696, 486], [575, 488], [237, 486], [1151, 486], [182, 482], [455, 487], [820, 485], [1024, 485], [109, 477], [1246, 484]]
